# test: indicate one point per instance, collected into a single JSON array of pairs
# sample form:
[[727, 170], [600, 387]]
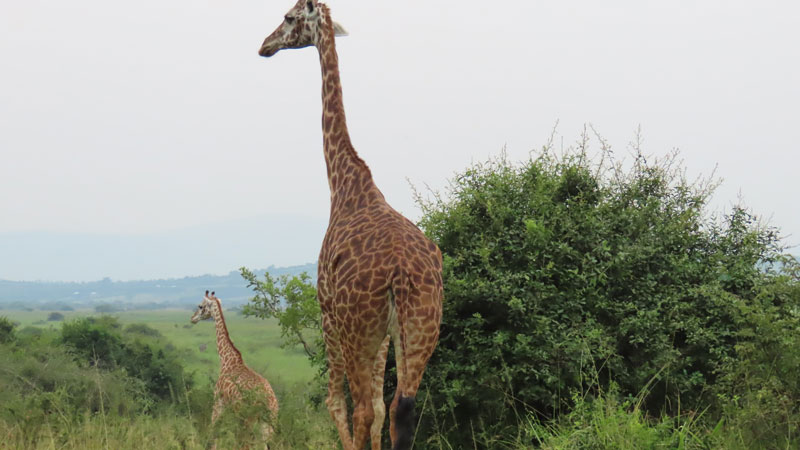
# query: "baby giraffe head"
[[205, 308], [302, 26]]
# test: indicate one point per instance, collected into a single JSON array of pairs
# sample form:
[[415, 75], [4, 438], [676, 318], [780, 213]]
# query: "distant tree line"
[[106, 296]]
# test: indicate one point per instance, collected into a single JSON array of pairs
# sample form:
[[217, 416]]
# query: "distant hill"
[[108, 295]]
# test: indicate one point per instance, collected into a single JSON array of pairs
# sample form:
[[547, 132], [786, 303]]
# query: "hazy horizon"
[[213, 249]]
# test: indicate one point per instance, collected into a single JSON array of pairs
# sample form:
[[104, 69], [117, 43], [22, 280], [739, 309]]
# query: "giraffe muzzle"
[[267, 51]]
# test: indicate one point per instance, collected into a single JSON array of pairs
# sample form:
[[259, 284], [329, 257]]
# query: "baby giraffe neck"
[[229, 355]]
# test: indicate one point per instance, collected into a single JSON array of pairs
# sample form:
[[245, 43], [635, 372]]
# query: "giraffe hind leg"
[[378, 406], [418, 335], [337, 406], [266, 434], [361, 367]]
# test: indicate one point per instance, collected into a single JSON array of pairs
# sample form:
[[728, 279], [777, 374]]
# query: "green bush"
[[106, 308], [43, 386], [143, 330], [760, 388], [98, 342], [559, 265], [29, 333], [6, 330]]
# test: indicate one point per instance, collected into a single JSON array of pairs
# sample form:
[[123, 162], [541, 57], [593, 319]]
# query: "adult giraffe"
[[378, 275]]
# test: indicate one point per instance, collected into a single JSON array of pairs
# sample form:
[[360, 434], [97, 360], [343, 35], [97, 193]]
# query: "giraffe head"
[[205, 308], [300, 28]]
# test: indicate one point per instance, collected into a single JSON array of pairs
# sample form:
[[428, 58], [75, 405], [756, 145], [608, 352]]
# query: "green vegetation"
[[573, 286], [592, 306], [6, 330], [55, 317], [105, 382], [98, 342], [292, 301], [259, 340], [48, 384]]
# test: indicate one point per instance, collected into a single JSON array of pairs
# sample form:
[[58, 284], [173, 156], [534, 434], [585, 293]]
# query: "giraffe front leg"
[[361, 374], [217, 410], [360, 381]]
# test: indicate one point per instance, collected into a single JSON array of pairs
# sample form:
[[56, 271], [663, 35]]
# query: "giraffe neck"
[[349, 177], [229, 355]]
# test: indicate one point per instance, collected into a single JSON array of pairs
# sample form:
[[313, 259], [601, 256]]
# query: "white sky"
[[148, 116]]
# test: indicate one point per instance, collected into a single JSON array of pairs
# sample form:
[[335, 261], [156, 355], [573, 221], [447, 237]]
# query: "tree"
[[292, 300], [562, 275], [105, 308], [96, 341]]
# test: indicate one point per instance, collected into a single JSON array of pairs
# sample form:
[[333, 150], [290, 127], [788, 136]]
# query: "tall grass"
[[106, 431], [299, 426], [605, 419]]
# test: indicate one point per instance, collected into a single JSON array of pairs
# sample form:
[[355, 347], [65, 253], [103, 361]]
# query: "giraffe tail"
[[404, 423]]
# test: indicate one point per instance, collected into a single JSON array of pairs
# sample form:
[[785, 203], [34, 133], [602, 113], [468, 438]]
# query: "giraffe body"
[[379, 277], [235, 378]]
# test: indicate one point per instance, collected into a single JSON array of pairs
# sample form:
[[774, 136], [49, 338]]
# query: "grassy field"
[[607, 422], [258, 340], [300, 424]]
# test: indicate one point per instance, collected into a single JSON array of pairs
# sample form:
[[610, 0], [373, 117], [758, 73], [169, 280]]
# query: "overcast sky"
[[145, 117]]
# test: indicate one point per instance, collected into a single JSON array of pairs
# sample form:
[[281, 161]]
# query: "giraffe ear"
[[338, 30]]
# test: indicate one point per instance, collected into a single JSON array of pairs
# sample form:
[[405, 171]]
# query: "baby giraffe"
[[234, 375]]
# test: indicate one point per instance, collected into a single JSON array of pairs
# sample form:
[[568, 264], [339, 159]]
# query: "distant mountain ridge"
[[109, 295]]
